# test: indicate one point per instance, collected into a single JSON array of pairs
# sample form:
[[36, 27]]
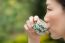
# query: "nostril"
[[46, 19]]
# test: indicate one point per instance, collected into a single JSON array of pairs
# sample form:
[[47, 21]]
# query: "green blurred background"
[[13, 14]]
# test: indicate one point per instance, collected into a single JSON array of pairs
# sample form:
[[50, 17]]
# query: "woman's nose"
[[46, 18], [47, 21]]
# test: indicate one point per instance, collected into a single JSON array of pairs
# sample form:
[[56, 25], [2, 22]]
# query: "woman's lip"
[[48, 27]]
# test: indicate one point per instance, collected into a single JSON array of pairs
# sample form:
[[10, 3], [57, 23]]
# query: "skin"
[[33, 37], [55, 20]]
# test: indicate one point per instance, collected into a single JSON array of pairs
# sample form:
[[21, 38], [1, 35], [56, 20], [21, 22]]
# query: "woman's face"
[[55, 19]]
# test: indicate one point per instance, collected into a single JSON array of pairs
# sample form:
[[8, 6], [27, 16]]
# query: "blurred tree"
[[39, 8]]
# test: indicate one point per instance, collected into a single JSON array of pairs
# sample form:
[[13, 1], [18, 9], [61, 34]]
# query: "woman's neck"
[[64, 37]]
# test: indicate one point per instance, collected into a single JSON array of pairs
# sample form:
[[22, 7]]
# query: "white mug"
[[40, 27]]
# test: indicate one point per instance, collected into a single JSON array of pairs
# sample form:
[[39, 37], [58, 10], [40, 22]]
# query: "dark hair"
[[62, 2]]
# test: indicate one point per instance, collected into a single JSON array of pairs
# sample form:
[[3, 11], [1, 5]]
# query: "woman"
[[54, 18]]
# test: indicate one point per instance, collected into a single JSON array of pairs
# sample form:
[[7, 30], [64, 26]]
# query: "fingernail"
[[36, 18], [31, 18], [25, 27]]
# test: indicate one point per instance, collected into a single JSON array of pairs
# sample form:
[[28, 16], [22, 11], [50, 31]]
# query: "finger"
[[31, 20], [30, 32], [30, 26], [36, 18], [25, 26]]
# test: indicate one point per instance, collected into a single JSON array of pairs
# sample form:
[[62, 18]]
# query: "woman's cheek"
[[53, 18]]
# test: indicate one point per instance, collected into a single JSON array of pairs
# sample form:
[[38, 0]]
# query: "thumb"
[[36, 18]]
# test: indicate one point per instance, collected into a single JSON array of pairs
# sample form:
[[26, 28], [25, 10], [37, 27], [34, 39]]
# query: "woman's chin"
[[55, 37]]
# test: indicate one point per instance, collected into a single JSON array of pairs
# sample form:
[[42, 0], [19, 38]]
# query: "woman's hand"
[[32, 35]]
